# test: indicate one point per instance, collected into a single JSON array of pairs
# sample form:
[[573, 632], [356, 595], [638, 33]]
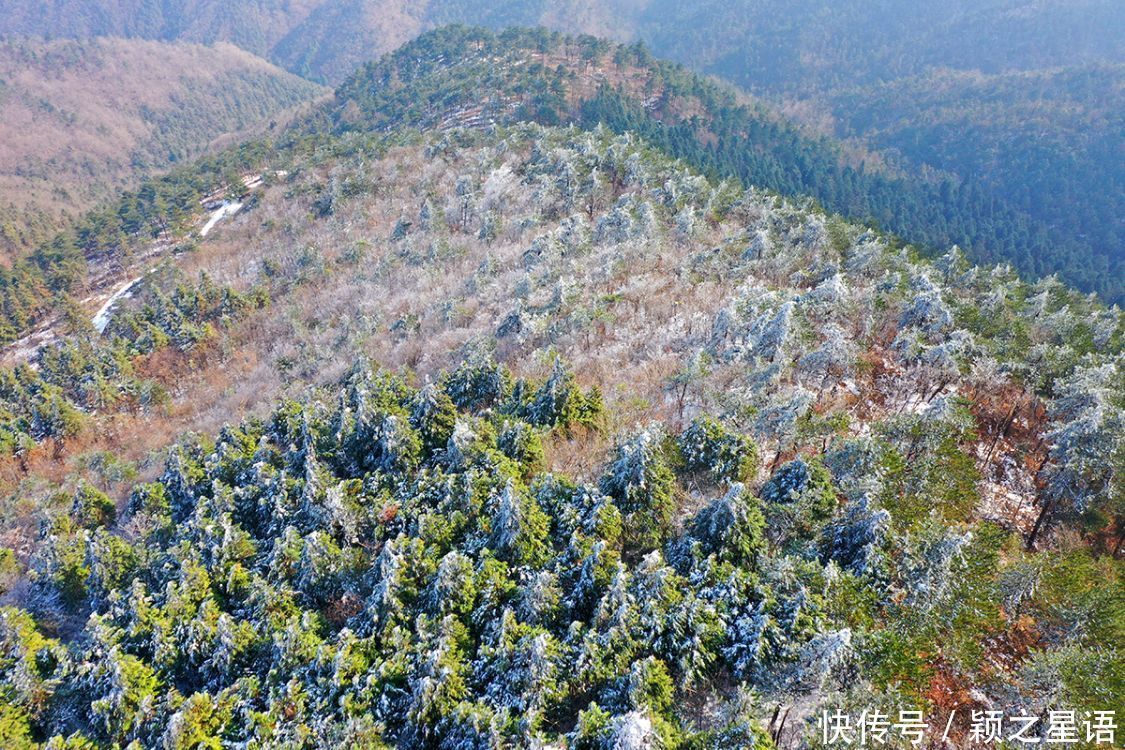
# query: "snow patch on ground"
[[101, 319], [229, 208], [24, 349]]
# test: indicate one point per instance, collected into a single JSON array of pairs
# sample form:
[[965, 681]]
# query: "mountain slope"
[[1048, 142], [324, 40], [83, 120], [810, 46], [465, 75], [785, 457], [254, 25], [824, 63]]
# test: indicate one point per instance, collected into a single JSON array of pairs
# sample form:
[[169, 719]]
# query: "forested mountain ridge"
[[1049, 142], [461, 74], [794, 48], [80, 121], [451, 418], [684, 463], [254, 25], [979, 91], [823, 63]]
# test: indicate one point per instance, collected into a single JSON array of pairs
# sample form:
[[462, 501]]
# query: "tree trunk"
[[781, 726], [1038, 525]]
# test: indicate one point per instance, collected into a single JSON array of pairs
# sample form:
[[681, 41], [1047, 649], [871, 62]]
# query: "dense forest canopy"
[[532, 391], [784, 480]]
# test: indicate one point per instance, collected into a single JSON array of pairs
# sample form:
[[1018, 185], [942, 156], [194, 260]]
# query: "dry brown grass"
[[627, 317], [80, 121]]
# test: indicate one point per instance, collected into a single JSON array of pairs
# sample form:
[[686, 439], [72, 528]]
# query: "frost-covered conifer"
[[179, 480], [927, 311], [693, 635], [124, 693], [540, 598], [685, 221], [642, 486], [857, 467], [426, 215], [706, 445], [799, 501], [927, 568], [559, 401], [760, 245], [831, 361], [618, 225], [827, 295], [521, 670], [392, 445], [541, 249], [633, 731], [112, 563], [519, 527], [462, 446], [92, 508], [511, 324], [814, 235], [472, 726], [853, 541], [774, 335], [520, 442], [730, 527], [595, 570], [777, 422], [385, 603], [745, 640], [452, 590], [440, 682], [818, 658], [477, 383], [401, 229], [433, 415], [1086, 439]]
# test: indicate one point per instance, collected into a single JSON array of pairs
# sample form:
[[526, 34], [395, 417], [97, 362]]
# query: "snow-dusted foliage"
[[857, 467], [706, 445], [479, 382], [640, 482], [800, 500], [1086, 440], [730, 527], [789, 482], [928, 569], [832, 362], [853, 541], [777, 422], [496, 562], [436, 601], [559, 401], [927, 311]]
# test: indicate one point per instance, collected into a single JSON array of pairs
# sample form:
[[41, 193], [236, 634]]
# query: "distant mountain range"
[[1018, 176], [82, 120], [775, 45]]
